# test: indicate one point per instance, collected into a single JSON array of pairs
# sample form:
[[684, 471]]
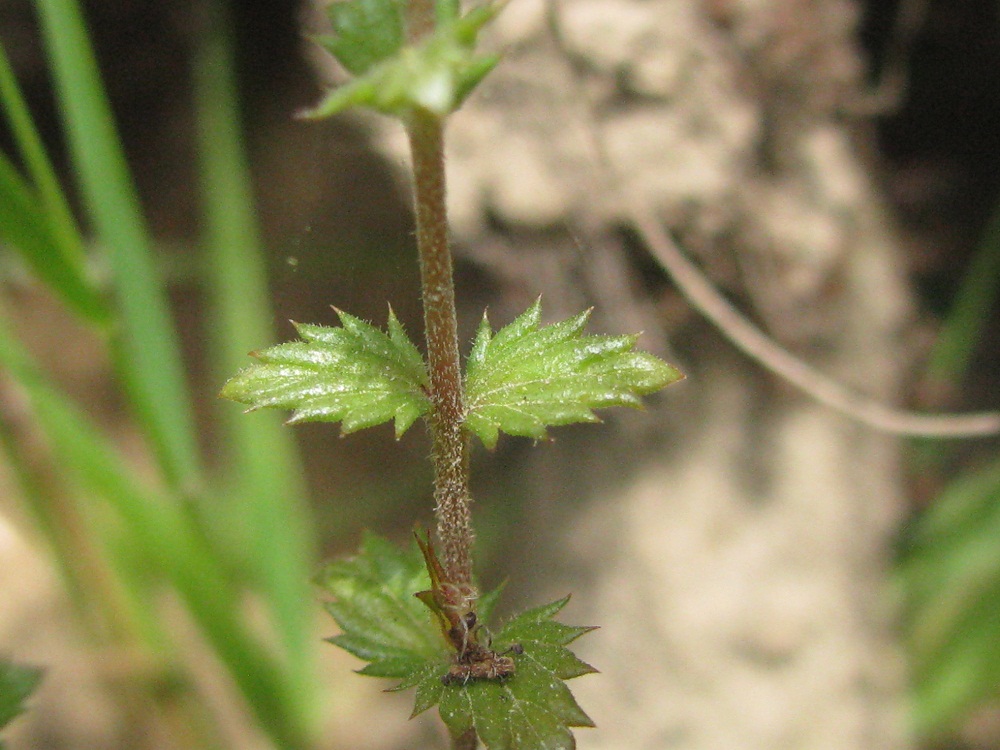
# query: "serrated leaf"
[[355, 374], [373, 603], [17, 683], [394, 78], [527, 378], [385, 624], [533, 708]]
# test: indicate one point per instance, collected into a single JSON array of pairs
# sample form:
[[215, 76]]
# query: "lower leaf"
[[510, 689]]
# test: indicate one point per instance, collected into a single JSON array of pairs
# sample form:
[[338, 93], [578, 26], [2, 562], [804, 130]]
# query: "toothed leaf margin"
[[384, 624], [526, 378], [355, 374]]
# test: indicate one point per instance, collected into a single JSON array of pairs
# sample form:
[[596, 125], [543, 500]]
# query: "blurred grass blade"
[[166, 543], [962, 331], [24, 227], [950, 571], [958, 340], [84, 567], [964, 669], [148, 354], [966, 507], [264, 463], [34, 216]]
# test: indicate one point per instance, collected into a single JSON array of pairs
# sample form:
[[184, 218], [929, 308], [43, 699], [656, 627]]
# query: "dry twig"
[[746, 337]]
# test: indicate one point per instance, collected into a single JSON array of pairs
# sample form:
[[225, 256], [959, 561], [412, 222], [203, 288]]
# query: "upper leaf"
[[393, 77], [384, 624], [366, 32], [525, 378], [354, 374]]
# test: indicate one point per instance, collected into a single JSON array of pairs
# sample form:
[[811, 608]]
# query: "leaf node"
[[393, 77], [385, 624]]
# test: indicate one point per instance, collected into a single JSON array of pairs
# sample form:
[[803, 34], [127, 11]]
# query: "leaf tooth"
[[540, 613], [566, 329], [406, 414], [515, 421], [316, 334], [397, 335], [480, 345], [523, 324], [483, 428], [302, 415], [366, 648], [396, 667], [429, 689], [558, 698]]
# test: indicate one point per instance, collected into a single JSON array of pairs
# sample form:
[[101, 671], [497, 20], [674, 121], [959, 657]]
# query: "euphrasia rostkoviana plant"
[[412, 615]]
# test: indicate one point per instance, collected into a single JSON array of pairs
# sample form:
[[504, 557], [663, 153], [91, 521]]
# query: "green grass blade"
[[117, 610], [978, 293], [34, 215], [170, 546], [950, 573], [23, 227], [148, 353], [45, 511], [262, 454]]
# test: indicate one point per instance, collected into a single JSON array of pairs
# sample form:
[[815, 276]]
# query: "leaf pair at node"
[[521, 380], [527, 707]]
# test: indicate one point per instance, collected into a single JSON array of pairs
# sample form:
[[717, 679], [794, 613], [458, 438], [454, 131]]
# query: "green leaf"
[[354, 374], [265, 487], [436, 74], [374, 604], [525, 378], [533, 708], [34, 215], [16, 684], [366, 32], [384, 624], [146, 347]]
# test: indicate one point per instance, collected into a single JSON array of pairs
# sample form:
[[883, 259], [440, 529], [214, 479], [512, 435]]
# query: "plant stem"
[[451, 446], [450, 452]]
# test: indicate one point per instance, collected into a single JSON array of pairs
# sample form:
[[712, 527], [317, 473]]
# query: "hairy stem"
[[451, 446]]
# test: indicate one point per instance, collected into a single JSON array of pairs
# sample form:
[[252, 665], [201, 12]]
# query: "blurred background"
[[766, 573]]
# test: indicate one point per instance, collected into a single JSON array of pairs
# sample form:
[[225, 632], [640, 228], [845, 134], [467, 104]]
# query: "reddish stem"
[[451, 447]]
